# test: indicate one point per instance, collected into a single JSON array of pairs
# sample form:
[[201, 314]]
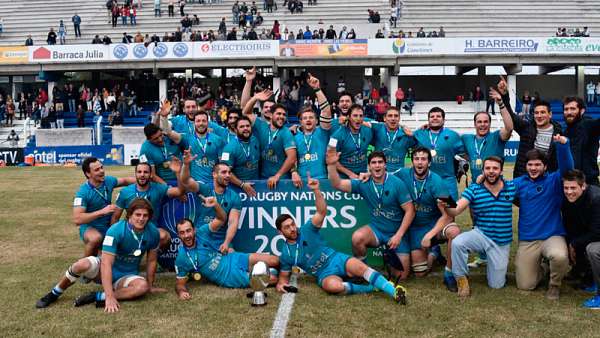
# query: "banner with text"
[[257, 232], [320, 48], [151, 51], [236, 49], [68, 53], [108, 154], [11, 156], [14, 55]]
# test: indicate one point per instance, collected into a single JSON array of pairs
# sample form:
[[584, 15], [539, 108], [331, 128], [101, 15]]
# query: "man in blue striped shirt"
[[491, 203]]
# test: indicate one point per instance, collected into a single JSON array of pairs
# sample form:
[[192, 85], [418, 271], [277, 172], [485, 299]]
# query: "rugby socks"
[[378, 281], [448, 272], [57, 291], [100, 296], [352, 289]]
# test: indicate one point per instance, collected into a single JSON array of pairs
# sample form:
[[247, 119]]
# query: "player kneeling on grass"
[[305, 249], [118, 268], [197, 257]]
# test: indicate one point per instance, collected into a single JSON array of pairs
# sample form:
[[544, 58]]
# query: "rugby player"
[[206, 145], [242, 154], [305, 249], [352, 141], [389, 201], [312, 137], [278, 149], [197, 257], [92, 206], [117, 269], [392, 139], [431, 223], [155, 193], [228, 199]]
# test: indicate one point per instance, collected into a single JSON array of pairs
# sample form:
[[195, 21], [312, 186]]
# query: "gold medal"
[[295, 270], [270, 152], [479, 162], [137, 253], [307, 157], [166, 164], [433, 152], [197, 276]]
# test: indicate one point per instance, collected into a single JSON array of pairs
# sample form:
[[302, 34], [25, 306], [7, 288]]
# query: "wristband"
[[316, 90], [242, 185], [323, 105]]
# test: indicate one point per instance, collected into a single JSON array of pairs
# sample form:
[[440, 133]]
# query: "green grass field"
[[38, 241]]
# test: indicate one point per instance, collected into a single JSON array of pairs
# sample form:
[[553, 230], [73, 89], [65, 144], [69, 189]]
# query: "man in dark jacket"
[[536, 134], [581, 216], [584, 133]]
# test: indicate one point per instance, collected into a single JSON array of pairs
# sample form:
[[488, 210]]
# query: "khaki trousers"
[[528, 262]]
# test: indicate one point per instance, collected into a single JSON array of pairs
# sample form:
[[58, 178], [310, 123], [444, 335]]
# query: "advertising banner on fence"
[[68, 53], [108, 154], [152, 51], [11, 156], [454, 46], [257, 232], [320, 48], [236, 49], [14, 55]]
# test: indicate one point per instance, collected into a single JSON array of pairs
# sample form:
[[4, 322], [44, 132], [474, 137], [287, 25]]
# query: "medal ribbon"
[[192, 260], [246, 151], [202, 146], [419, 192], [378, 193], [437, 136], [478, 148], [104, 195], [297, 251], [139, 240], [391, 141], [307, 143], [357, 145], [272, 137]]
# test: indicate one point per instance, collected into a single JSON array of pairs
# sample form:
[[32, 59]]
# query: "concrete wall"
[[63, 137]]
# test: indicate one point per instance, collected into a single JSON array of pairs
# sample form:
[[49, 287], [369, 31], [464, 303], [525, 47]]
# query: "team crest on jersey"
[[77, 202]]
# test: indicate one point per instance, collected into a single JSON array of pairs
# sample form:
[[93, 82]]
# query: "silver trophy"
[[259, 281]]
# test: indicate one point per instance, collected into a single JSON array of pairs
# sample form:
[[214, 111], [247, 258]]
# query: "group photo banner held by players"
[[257, 232]]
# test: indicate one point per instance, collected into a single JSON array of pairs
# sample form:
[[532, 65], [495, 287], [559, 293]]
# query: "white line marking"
[[284, 311]]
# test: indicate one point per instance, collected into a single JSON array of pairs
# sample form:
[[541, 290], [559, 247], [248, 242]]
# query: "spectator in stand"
[[29, 41], [379, 34], [106, 40], [235, 11], [331, 34], [270, 4], [157, 12], [526, 103], [442, 32], [252, 35], [253, 8], [127, 38], [132, 103], [394, 16], [381, 107], [351, 35], [13, 139], [222, 27], [259, 20], [591, 92], [60, 119], [133, 16], [598, 93], [410, 100], [51, 39], [585, 33], [384, 93], [96, 40], [62, 32], [10, 111], [399, 97], [477, 96], [421, 33], [76, 19], [116, 12], [275, 31], [186, 24], [232, 36], [307, 35], [171, 8], [124, 15], [491, 102], [181, 7], [139, 38]]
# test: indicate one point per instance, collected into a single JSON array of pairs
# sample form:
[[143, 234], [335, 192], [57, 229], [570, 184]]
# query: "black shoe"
[[45, 301], [100, 304], [85, 299]]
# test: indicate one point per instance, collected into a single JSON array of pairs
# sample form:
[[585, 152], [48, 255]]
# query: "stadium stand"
[[459, 18]]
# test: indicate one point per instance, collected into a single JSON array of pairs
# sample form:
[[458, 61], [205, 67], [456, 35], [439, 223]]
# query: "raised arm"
[[186, 180], [563, 154], [461, 206], [262, 96], [320, 203], [334, 177], [325, 118], [506, 131], [247, 91]]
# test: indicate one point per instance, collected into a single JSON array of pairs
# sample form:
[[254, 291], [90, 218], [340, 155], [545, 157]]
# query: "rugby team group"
[[192, 171]]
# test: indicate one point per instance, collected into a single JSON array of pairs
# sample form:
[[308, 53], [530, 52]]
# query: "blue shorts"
[[412, 239], [336, 266], [382, 237], [239, 274], [451, 185], [83, 228]]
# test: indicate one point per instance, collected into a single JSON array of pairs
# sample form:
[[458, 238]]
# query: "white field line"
[[284, 311]]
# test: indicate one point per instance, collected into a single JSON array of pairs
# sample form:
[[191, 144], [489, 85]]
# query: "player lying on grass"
[[198, 257], [118, 269], [305, 249]]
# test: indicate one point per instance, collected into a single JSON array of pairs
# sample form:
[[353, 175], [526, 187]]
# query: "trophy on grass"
[[259, 280]]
